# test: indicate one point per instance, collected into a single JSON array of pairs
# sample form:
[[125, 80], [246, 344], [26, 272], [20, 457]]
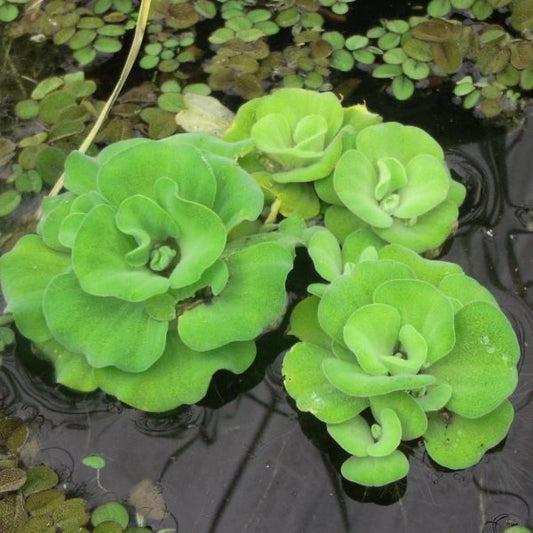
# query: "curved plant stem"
[[130, 60], [274, 211]]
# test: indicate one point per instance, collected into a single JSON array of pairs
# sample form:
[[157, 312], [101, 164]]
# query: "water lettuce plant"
[[131, 284], [398, 347], [298, 137], [396, 182]]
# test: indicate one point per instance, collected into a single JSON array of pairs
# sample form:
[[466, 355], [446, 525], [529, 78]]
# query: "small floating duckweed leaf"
[[94, 461], [110, 512]]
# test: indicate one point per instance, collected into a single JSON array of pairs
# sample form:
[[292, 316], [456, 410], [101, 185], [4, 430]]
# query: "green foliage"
[[417, 344], [396, 182], [132, 266], [299, 137]]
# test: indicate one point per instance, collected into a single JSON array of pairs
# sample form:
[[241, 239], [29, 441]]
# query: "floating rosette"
[[396, 182], [299, 136], [414, 346], [131, 285]]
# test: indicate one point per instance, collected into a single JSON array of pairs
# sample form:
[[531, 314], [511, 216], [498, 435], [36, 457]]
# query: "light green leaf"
[[376, 471], [425, 269], [132, 171], [71, 369], [25, 272], [238, 196], [355, 181], [372, 332], [350, 379], [481, 368], [353, 435], [304, 323], [99, 259], [427, 186], [180, 376], [422, 306], [106, 331], [412, 417], [392, 139], [202, 236], [306, 383], [461, 442], [325, 253], [253, 298], [352, 291], [465, 289], [425, 233]]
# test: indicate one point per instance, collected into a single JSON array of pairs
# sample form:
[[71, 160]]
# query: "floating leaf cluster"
[[420, 52], [397, 347], [31, 501], [62, 109], [133, 264], [426, 50], [313, 155]]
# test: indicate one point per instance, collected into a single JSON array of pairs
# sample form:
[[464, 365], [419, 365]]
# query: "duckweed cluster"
[[490, 65], [31, 499]]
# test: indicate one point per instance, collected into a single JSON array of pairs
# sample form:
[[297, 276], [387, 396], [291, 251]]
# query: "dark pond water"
[[246, 461]]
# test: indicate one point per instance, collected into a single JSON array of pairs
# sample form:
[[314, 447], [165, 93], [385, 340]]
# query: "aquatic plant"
[[399, 347], [396, 182], [31, 498], [131, 284], [298, 138]]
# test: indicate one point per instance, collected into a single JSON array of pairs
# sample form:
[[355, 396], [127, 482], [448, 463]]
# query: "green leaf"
[[350, 379], [306, 383], [422, 306], [180, 376], [25, 272], [27, 109], [99, 260], [355, 181], [238, 196], [427, 186], [425, 269], [110, 512], [392, 139], [71, 369], [402, 88], [325, 253], [459, 442], [304, 323], [342, 222], [371, 332], [481, 368], [376, 471], [9, 201], [465, 289], [352, 291], [202, 236], [256, 274], [410, 414], [80, 173], [427, 232], [106, 330], [94, 461], [352, 435], [131, 171]]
